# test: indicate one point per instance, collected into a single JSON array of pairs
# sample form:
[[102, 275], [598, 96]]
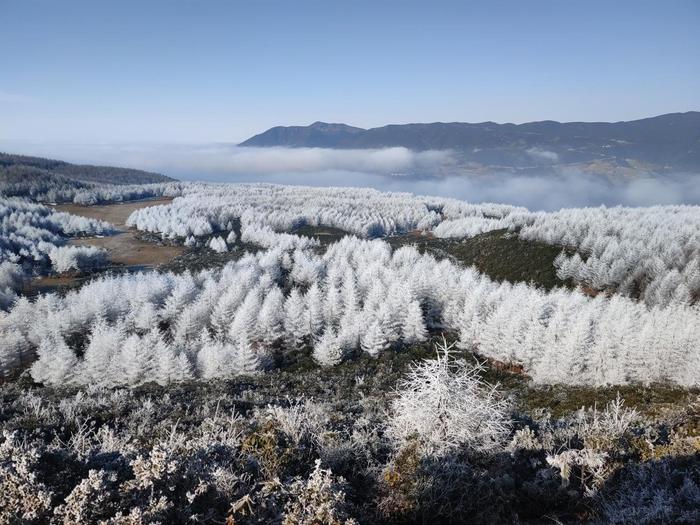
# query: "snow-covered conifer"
[[56, 363], [327, 350], [102, 350], [314, 308], [413, 327], [296, 325], [270, 323], [372, 339], [218, 244]]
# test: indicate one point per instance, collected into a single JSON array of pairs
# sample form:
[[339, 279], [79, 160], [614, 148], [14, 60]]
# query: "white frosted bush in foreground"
[[444, 403]]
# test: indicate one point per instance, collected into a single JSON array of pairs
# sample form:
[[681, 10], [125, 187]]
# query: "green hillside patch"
[[499, 254]]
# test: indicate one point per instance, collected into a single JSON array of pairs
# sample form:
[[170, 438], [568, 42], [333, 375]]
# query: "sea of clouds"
[[394, 169]]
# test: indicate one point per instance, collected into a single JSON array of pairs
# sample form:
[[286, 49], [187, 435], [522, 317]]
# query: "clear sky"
[[208, 70]]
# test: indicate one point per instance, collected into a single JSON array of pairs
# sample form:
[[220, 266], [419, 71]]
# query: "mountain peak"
[[663, 143]]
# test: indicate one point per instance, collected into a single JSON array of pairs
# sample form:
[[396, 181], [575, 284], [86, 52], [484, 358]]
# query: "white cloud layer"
[[395, 169]]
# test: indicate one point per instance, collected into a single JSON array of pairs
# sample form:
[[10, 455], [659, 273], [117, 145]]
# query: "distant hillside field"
[[666, 143]]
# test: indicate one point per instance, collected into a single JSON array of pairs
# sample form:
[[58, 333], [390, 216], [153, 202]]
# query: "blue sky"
[[93, 71]]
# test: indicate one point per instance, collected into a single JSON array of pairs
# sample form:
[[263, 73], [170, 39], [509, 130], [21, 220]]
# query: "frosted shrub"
[[22, 497], [318, 500], [89, 499], [302, 420], [590, 465], [444, 403], [653, 492]]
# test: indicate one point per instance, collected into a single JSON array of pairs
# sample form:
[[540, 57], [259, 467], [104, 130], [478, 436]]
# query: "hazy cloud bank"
[[395, 169]]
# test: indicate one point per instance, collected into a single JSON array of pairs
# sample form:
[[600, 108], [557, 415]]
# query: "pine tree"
[[215, 360], [136, 362], [314, 309], [184, 291], [333, 305], [372, 340], [270, 323], [14, 352], [413, 328], [186, 328], [245, 360], [225, 309], [146, 317], [327, 350], [349, 292], [376, 296], [218, 245], [295, 320], [348, 337], [103, 348], [169, 366], [56, 363], [243, 328]]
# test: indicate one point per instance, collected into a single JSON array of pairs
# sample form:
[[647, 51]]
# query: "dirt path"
[[124, 247]]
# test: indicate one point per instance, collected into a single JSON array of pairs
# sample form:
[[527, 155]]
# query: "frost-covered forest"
[[652, 253], [359, 295], [287, 305], [32, 239], [47, 186]]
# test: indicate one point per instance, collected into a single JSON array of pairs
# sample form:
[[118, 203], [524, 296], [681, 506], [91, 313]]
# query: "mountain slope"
[[666, 142], [13, 164]]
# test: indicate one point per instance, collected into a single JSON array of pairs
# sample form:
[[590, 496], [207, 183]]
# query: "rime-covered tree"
[[218, 244], [15, 352], [296, 325], [215, 359], [270, 323], [413, 327], [327, 350], [314, 309], [225, 309], [103, 348], [243, 328], [372, 339], [246, 360], [135, 363], [170, 366], [56, 363]]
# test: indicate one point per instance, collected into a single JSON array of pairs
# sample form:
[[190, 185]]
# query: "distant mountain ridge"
[[25, 166], [669, 142]]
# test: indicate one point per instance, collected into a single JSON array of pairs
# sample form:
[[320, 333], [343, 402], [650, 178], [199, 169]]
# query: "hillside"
[[27, 166], [375, 355], [664, 143]]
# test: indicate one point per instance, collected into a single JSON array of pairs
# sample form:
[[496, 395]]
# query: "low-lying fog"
[[395, 169]]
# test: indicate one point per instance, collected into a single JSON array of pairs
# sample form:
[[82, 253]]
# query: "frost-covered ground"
[[325, 311]]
